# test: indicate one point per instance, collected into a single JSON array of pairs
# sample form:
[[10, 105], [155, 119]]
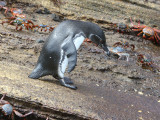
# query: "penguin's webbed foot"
[[67, 83]]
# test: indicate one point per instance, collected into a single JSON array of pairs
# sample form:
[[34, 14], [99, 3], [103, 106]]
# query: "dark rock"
[[40, 41], [39, 11], [45, 11], [31, 5], [55, 17]]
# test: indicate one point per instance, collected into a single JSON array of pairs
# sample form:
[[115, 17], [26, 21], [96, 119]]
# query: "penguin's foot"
[[67, 83]]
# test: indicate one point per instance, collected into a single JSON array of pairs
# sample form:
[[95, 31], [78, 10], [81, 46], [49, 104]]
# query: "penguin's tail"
[[38, 72], [34, 75]]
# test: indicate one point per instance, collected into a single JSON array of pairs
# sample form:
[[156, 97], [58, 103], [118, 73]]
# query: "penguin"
[[60, 49]]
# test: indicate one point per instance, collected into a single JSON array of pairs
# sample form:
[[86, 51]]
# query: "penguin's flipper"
[[63, 82], [71, 52]]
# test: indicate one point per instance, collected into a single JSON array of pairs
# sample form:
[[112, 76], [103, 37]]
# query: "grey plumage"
[[63, 43]]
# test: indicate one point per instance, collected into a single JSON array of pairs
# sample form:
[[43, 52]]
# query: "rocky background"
[[108, 88]]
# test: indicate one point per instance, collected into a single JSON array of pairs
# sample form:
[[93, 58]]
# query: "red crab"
[[43, 27], [28, 24], [120, 49], [9, 110], [17, 12], [147, 62], [121, 52], [148, 32]]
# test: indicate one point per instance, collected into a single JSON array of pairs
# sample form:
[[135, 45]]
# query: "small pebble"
[[140, 93], [45, 11], [97, 85], [55, 17], [40, 41], [139, 111]]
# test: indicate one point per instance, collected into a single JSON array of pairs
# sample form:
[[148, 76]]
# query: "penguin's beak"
[[105, 48], [108, 53]]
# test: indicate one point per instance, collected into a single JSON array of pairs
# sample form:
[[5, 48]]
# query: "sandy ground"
[[108, 88]]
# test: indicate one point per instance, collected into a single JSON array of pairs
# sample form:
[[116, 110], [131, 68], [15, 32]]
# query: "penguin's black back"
[[72, 27]]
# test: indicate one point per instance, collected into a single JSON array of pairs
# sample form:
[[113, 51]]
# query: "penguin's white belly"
[[78, 40], [63, 63]]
